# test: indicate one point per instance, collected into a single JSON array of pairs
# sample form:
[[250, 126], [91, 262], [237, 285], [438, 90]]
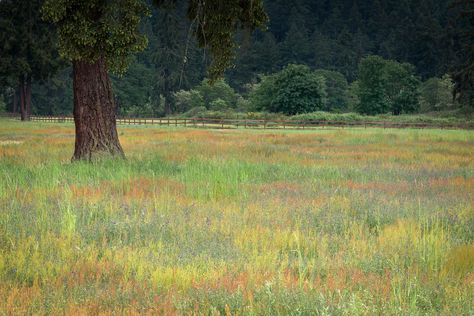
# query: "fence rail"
[[260, 124]]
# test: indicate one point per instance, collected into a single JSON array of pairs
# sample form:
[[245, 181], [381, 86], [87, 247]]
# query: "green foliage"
[[187, 100], [437, 94], [354, 96], [337, 90], [215, 23], [403, 118], [219, 105], [401, 87], [3, 106], [462, 68], [143, 110], [27, 44], [386, 86], [134, 89], [243, 105], [93, 29], [212, 91], [295, 89], [54, 97], [371, 87], [195, 112], [332, 35]]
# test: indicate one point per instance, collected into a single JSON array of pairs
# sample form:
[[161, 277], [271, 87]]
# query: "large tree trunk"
[[94, 112]]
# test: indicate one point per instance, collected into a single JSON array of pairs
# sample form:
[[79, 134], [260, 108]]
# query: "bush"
[[186, 100], [356, 117], [219, 105], [437, 94], [296, 89], [145, 110], [217, 90], [195, 112]]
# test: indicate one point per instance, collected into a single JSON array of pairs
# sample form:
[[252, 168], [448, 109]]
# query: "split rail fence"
[[260, 124]]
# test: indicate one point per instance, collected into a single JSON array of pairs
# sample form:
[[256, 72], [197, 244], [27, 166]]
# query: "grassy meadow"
[[222, 222]]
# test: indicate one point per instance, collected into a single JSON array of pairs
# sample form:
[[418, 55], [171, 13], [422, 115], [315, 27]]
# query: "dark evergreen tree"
[[462, 68], [337, 90], [27, 49]]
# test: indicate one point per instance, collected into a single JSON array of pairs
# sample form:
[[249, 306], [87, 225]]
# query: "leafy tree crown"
[[92, 29]]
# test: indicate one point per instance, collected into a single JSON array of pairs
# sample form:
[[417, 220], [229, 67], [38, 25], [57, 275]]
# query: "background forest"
[[370, 57]]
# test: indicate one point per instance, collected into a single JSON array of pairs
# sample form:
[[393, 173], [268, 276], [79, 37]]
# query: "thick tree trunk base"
[[94, 113]]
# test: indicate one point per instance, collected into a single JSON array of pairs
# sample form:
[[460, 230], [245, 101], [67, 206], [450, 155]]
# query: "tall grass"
[[334, 222]]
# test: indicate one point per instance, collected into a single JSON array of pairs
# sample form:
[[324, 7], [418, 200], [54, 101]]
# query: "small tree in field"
[[386, 86], [294, 90], [371, 86], [98, 36], [219, 90], [437, 94]]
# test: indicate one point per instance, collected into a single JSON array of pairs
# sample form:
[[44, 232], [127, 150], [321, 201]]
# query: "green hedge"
[[326, 116]]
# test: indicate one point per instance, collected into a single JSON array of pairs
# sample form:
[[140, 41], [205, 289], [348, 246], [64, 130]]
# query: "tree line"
[[332, 35], [382, 86]]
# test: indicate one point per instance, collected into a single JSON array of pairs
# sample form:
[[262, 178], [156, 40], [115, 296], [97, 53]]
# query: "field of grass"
[[321, 222]]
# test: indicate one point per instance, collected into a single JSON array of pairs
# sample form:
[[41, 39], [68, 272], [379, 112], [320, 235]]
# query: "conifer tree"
[[27, 49]]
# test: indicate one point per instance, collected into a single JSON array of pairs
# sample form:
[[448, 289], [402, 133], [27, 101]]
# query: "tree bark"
[[15, 102], [25, 97], [94, 112], [23, 113], [28, 97]]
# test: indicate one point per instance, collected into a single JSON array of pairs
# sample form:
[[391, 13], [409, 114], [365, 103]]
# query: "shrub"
[[294, 90], [436, 94], [195, 112], [186, 100], [218, 90], [219, 105]]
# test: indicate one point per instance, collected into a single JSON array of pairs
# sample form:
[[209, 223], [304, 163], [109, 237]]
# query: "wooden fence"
[[260, 124]]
